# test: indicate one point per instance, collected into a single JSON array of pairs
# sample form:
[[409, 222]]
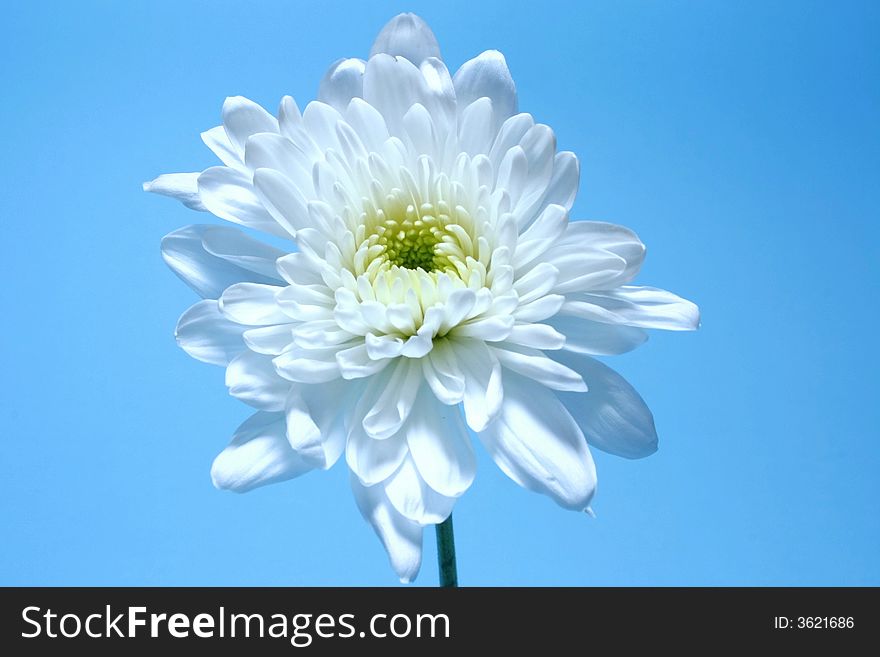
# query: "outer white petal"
[[343, 81], [583, 249], [536, 443], [373, 461], [414, 499], [395, 394], [233, 246], [440, 446], [242, 118], [537, 366], [186, 252], [583, 336], [487, 75], [218, 141], [612, 415], [328, 417], [207, 335], [253, 304], [407, 35], [252, 379], [564, 182], [258, 455], [643, 307], [392, 86], [483, 393], [401, 538], [182, 186], [229, 194]]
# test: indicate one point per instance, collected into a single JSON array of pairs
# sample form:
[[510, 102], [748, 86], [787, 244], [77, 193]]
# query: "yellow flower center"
[[431, 237]]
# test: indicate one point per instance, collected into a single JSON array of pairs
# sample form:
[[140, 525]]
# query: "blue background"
[[740, 140]]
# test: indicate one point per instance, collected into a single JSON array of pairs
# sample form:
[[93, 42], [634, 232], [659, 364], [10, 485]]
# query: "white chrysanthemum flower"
[[434, 284]]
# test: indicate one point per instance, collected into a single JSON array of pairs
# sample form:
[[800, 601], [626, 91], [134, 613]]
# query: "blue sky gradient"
[[739, 139]]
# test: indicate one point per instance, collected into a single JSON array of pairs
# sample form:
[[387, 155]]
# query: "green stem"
[[446, 554]]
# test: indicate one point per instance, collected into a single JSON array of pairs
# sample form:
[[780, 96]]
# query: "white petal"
[[440, 98], [282, 199], [327, 417], [289, 117], [475, 128], [229, 194], [407, 35], [539, 367], [443, 375], [414, 499], [355, 362], [612, 415], [392, 86], [258, 455], [218, 141], [482, 375], [487, 75], [233, 246], [185, 252], [295, 160], [489, 329], [401, 538], [440, 446], [539, 309], [206, 335], [373, 461], [592, 239], [535, 336], [536, 443], [643, 307], [536, 282], [563, 186], [368, 123], [269, 340], [252, 379], [540, 236], [582, 268], [252, 304], [343, 81], [539, 146], [307, 365], [509, 136], [595, 338], [182, 186], [243, 118], [391, 406]]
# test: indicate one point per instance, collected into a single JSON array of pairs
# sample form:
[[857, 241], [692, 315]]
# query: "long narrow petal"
[[229, 194], [483, 393], [440, 446], [414, 499], [182, 186], [643, 307], [242, 118], [487, 76], [407, 35], [206, 335], [612, 415], [401, 538], [259, 454], [343, 81], [583, 336], [536, 443], [251, 378], [187, 253]]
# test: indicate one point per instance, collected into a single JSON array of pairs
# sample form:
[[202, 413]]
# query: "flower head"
[[433, 284]]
